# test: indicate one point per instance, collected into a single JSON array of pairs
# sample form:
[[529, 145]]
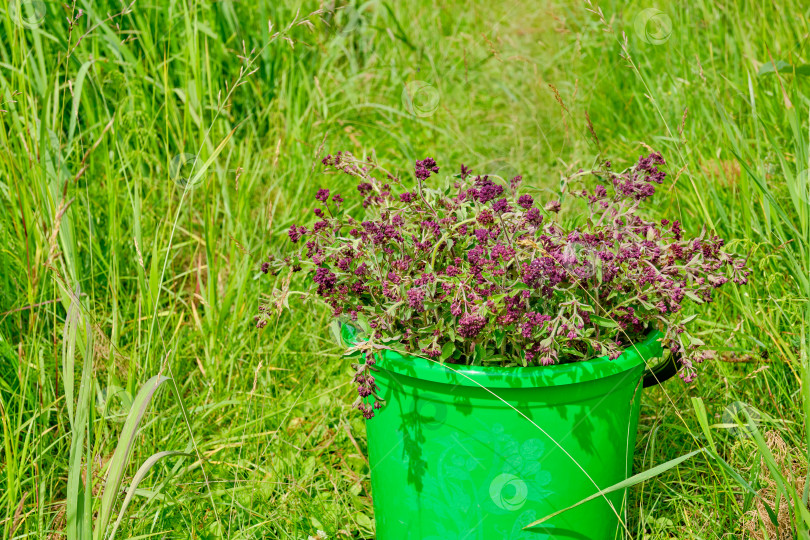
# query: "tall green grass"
[[151, 153]]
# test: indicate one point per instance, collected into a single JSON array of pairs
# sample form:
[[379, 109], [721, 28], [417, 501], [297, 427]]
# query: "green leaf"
[[144, 468], [77, 96], [496, 359], [703, 420], [447, 350], [745, 485], [334, 329], [568, 351], [197, 177], [363, 520], [362, 322], [784, 68], [118, 463], [478, 355], [648, 306], [78, 506], [69, 337], [601, 321], [499, 335], [695, 298]]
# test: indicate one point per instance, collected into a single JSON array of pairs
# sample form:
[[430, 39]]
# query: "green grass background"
[[100, 108]]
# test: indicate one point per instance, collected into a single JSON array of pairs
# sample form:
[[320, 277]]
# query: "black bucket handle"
[[662, 371]]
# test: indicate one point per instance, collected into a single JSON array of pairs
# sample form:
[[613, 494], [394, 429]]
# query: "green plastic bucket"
[[450, 458]]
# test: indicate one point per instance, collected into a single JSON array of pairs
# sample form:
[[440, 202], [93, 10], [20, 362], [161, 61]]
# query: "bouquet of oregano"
[[470, 269]]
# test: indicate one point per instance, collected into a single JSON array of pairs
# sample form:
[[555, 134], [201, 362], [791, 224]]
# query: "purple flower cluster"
[[325, 279], [638, 183], [425, 167], [482, 271], [470, 325], [485, 190], [322, 195], [296, 233], [366, 387], [416, 299]]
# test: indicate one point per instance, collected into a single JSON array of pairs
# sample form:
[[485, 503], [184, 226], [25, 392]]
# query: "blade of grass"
[[136, 480], [120, 459], [630, 482]]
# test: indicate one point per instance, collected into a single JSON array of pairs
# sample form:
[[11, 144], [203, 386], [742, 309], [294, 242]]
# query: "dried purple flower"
[[486, 189], [322, 195], [514, 183], [295, 233], [526, 201], [470, 326], [416, 299], [534, 217], [325, 279], [425, 167], [501, 206]]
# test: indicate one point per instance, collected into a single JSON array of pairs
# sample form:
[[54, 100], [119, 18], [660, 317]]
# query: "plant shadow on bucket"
[[427, 414], [583, 406]]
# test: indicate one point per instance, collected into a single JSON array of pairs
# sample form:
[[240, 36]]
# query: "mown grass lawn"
[[153, 154]]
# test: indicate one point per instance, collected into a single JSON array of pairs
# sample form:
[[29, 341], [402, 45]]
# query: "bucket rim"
[[594, 369]]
